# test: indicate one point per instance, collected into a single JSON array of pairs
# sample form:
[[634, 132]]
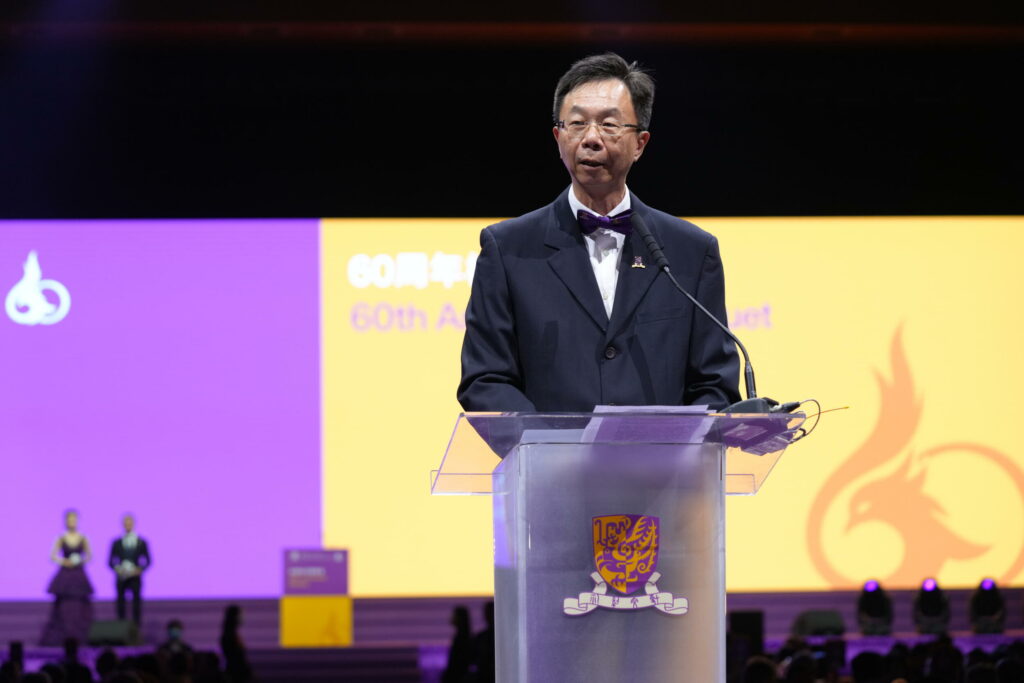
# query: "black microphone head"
[[641, 228]]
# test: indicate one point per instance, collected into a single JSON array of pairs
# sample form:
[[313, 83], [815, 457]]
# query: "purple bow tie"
[[622, 222]]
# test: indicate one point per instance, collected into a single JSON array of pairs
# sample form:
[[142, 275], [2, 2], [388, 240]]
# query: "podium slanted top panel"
[[752, 443]]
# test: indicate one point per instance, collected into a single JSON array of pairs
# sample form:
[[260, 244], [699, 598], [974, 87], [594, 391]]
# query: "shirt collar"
[[575, 205]]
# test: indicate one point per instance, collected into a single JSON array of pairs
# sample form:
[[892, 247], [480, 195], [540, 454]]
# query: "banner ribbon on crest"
[[661, 601]]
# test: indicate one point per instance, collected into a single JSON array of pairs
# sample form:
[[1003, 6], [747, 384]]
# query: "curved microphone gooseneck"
[[752, 404]]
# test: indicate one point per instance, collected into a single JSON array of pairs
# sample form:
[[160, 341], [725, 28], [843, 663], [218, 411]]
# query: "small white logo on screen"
[[28, 304]]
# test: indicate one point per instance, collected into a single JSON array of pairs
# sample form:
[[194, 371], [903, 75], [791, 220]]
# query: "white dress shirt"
[[605, 249]]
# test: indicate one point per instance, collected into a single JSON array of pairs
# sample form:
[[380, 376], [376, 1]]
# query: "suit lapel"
[[570, 261], [633, 282]]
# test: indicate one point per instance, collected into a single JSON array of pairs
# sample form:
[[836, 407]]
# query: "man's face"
[[599, 164], [129, 524]]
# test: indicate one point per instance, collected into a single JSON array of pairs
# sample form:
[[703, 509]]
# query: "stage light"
[[987, 608], [874, 610], [931, 608]]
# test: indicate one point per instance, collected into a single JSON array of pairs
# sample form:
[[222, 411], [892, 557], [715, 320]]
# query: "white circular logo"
[[28, 304]]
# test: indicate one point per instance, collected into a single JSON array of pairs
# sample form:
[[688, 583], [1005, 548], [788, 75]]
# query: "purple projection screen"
[[181, 384]]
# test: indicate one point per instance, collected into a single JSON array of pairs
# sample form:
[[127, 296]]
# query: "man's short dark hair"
[[605, 67]]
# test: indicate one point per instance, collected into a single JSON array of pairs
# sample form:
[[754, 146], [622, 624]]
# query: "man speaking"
[[567, 310]]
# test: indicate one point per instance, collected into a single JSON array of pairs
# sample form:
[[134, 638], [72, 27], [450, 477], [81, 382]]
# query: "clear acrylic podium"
[[609, 535]]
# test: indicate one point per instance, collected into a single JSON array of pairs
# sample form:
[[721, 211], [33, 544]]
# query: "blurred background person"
[[175, 642], [460, 653], [74, 670], [236, 661], [71, 615], [129, 557], [483, 647]]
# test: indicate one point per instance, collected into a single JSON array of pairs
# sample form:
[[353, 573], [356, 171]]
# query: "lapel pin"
[[638, 262]]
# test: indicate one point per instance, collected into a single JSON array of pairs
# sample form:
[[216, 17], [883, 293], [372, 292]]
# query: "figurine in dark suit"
[[129, 557]]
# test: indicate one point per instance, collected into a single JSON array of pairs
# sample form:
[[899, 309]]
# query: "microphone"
[[752, 404]]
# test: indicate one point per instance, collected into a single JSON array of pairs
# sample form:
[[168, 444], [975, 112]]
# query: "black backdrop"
[[97, 126]]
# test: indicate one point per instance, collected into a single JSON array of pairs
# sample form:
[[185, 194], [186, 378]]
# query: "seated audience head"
[[982, 672], [868, 667], [175, 629], [9, 672], [124, 677], [37, 677], [1010, 670], [54, 672], [946, 662], [760, 669], [232, 618], [802, 669], [460, 619], [106, 663]]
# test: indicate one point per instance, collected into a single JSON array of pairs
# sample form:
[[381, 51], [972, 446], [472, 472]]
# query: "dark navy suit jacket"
[[139, 555], [538, 338]]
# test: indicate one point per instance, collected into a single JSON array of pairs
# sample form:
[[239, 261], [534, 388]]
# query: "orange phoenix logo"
[[888, 483]]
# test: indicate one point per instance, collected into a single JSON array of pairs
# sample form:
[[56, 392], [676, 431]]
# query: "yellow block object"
[[316, 621]]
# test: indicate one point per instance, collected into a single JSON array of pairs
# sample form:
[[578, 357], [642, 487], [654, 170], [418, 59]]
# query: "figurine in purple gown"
[[71, 615]]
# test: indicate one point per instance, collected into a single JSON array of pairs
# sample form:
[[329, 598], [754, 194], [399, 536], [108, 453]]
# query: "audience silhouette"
[[937, 661], [471, 660], [460, 652], [483, 646], [236, 660]]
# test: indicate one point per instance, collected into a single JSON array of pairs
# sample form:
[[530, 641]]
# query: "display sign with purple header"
[[167, 369], [315, 572]]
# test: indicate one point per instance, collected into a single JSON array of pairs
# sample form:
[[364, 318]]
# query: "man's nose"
[[592, 136]]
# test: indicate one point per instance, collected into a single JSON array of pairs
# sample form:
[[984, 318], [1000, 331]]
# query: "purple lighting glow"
[[164, 368], [987, 584], [929, 585], [871, 586]]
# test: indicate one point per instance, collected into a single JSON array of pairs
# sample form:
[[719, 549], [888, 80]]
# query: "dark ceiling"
[[300, 109]]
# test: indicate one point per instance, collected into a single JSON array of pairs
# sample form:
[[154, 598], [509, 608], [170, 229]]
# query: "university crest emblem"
[[626, 557]]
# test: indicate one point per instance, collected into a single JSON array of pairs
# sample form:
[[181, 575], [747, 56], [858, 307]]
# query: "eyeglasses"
[[608, 130]]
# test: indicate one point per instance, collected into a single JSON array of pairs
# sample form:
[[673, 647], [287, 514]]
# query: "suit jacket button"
[[610, 352]]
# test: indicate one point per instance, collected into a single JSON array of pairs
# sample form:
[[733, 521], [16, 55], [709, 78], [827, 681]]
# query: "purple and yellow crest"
[[626, 550], [626, 556]]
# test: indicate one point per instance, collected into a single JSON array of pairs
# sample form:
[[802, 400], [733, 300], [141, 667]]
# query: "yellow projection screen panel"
[[913, 323]]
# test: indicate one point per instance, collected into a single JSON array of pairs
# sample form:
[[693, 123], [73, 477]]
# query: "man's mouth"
[[591, 163]]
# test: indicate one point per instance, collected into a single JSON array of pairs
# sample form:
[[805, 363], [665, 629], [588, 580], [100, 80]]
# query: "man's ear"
[[641, 143]]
